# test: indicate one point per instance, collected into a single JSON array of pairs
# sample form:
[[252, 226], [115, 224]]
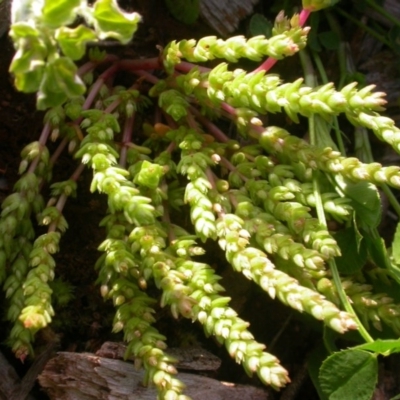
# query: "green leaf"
[[60, 82], [354, 253], [396, 245], [31, 50], [330, 40], [314, 362], [28, 63], [394, 38], [259, 25], [376, 248], [149, 175], [349, 374], [365, 201], [29, 82], [186, 11], [56, 13], [383, 347], [112, 22], [73, 41]]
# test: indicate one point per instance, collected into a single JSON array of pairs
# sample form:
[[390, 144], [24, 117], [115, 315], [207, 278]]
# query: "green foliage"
[[186, 11], [267, 197], [46, 46]]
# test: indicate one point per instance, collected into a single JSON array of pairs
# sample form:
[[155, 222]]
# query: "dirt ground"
[[85, 323]]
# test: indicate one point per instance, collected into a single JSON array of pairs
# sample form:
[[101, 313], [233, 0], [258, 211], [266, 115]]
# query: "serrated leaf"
[[354, 255], [56, 13], [330, 40], [376, 248], [259, 25], [73, 41], [349, 374], [365, 201], [314, 362], [186, 11], [112, 22], [384, 347], [396, 245]]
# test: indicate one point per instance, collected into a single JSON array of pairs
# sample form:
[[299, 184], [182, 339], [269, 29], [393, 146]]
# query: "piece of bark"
[[5, 7], [188, 358], [85, 376], [9, 381], [224, 15]]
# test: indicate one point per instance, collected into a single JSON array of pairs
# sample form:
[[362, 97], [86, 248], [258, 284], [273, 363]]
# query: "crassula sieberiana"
[[265, 195]]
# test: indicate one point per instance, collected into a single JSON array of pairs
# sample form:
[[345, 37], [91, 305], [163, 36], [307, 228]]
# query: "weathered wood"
[[224, 15], [188, 358], [5, 6], [85, 376], [10, 382]]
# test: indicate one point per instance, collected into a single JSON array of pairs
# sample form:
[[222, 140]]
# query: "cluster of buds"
[[198, 284], [194, 163], [134, 316], [280, 142], [38, 310], [274, 237], [282, 44], [371, 307], [266, 93], [129, 258], [17, 255], [255, 265]]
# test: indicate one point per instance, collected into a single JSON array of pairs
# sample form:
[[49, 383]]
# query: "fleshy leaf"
[[349, 374], [112, 22], [57, 13], [73, 41], [60, 82], [29, 57], [149, 174]]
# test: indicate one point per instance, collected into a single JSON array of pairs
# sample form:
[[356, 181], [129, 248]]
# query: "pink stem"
[[212, 128], [146, 75], [145, 64], [42, 143], [227, 164], [304, 14], [58, 151], [187, 66], [63, 198], [270, 62], [126, 137]]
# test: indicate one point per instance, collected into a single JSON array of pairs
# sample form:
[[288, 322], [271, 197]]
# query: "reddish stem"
[[304, 14], [187, 66], [141, 64], [146, 75], [270, 62], [63, 198], [212, 128], [126, 138], [42, 143]]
